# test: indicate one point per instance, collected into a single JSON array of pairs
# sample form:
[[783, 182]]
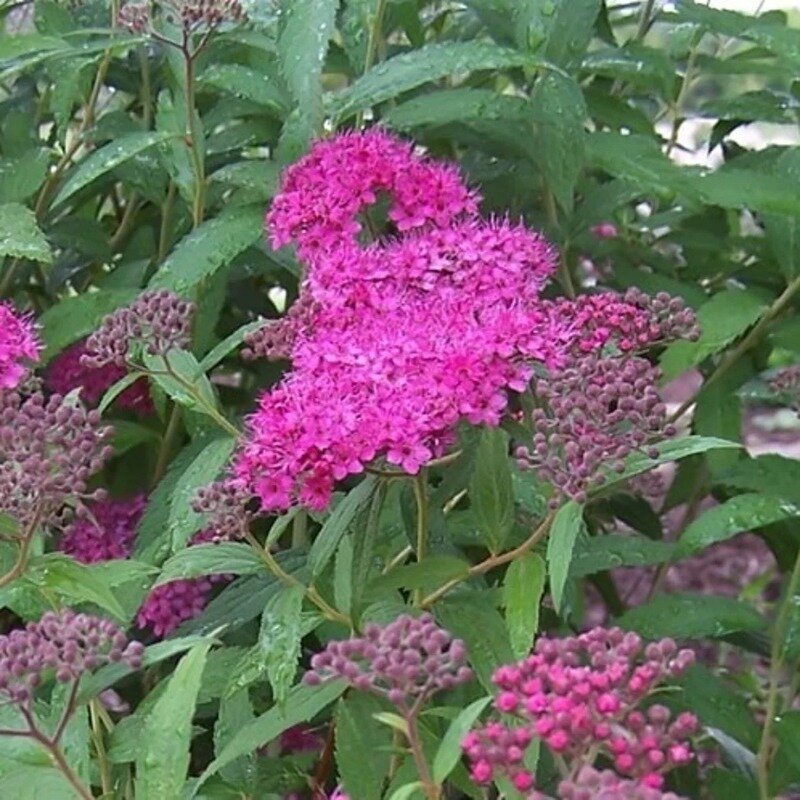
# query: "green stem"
[[100, 748], [564, 275], [193, 134], [421, 496], [432, 791], [166, 219], [749, 341], [645, 19], [300, 529], [167, 443], [373, 41], [765, 748]]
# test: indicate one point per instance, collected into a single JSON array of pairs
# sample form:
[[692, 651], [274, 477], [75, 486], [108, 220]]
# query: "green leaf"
[[671, 450], [338, 523], [209, 248], [561, 112], [768, 474], [302, 704], [21, 237], [210, 559], [600, 553], [691, 616], [433, 571], [75, 582], [469, 616], [106, 158], [14, 47], [786, 767], [183, 520], [247, 83], [115, 390], [228, 345], [571, 31], [359, 733], [21, 177], [35, 782], [162, 767], [449, 753], [302, 46], [178, 374], [491, 491], [523, 587], [783, 230], [430, 63], [745, 512], [235, 712], [566, 526], [78, 315], [280, 638], [259, 177], [725, 317]]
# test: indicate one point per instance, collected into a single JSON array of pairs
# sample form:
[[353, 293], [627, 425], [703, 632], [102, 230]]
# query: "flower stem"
[[167, 443], [494, 561], [421, 496], [765, 748], [99, 747], [432, 791]]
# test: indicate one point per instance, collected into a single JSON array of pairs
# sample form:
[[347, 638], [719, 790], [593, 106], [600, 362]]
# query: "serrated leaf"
[[357, 733], [564, 531], [209, 248], [280, 638], [561, 112], [20, 236], [471, 617], [429, 63], [235, 712], [337, 524], [450, 752], [691, 616], [183, 520], [231, 558], [671, 450], [523, 587], [571, 31], [745, 512], [162, 767], [491, 491], [78, 315], [600, 553], [111, 155], [302, 47], [302, 704], [726, 316]]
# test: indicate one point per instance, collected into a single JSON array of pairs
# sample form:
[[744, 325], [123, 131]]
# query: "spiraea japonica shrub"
[[398, 399]]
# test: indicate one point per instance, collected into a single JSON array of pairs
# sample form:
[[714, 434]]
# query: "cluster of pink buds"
[[593, 414], [227, 504], [135, 17], [629, 323], [406, 661], [604, 230], [592, 784], [108, 531], [276, 338], [19, 346], [68, 371], [580, 696], [63, 644], [787, 383], [157, 321], [49, 448], [191, 15]]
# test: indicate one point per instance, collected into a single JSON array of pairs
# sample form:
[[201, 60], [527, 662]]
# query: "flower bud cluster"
[[19, 346], [592, 784], [135, 17], [631, 322], [226, 503], [593, 414], [580, 695], [276, 338], [405, 661], [159, 320], [191, 15], [64, 644], [68, 371], [108, 531], [49, 448], [787, 382]]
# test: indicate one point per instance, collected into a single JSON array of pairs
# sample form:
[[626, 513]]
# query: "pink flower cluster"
[[399, 339], [19, 345], [787, 382], [580, 696], [69, 371], [107, 532], [591, 784]]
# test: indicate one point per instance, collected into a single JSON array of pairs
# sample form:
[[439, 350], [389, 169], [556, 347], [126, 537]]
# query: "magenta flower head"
[[49, 448], [406, 661], [156, 322], [105, 531], [64, 645], [68, 371], [19, 346], [592, 415], [580, 696]]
